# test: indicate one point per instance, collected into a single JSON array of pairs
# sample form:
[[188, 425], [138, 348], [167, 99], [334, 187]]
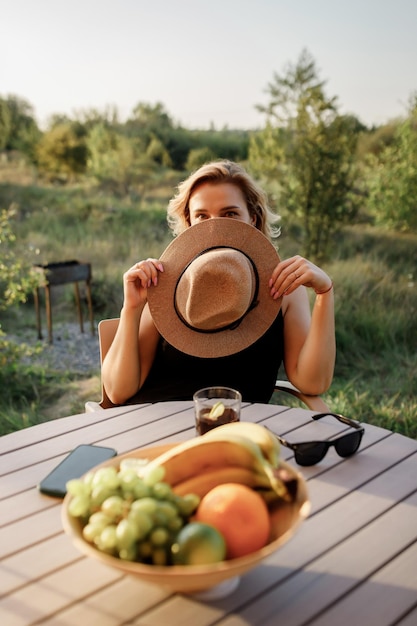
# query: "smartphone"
[[77, 463]]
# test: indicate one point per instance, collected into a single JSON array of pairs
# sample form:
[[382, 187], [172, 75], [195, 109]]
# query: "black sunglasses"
[[312, 452]]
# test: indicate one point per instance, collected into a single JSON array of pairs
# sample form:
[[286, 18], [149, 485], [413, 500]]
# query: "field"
[[374, 273]]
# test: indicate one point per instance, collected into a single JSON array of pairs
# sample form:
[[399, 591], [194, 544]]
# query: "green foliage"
[[147, 140], [151, 119], [376, 328], [62, 151], [267, 154], [151, 128], [376, 140], [198, 157], [26, 388], [16, 378], [157, 152], [18, 128], [171, 145], [54, 223], [88, 118], [5, 124], [17, 278], [308, 151], [392, 179], [116, 161]]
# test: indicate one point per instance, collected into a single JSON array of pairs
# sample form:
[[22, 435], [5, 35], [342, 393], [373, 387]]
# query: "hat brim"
[[179, 253]]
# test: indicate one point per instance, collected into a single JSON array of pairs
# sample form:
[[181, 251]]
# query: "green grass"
[[374, 273], [27, 388]]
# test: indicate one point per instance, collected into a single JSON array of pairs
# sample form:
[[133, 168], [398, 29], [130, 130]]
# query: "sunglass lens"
[[347, 445], [310, 453]]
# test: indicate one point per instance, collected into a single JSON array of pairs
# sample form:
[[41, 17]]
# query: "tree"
[[158, 153], [376, 140], [307, 150], [198, 157], [116, 161], [149, 121], [392, 178], [18, 128], [62, 151], [89, 118], [5, 124]]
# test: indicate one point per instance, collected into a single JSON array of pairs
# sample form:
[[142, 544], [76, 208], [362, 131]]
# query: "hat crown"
[[216, 289]]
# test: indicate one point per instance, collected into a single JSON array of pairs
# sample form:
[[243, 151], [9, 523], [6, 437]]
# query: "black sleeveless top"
[[253, 371]]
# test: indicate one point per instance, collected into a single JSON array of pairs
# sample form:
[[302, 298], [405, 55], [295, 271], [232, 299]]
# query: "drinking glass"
[[215, 406]]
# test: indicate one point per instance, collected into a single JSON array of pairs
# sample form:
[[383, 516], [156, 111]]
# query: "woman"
[[142, 366]]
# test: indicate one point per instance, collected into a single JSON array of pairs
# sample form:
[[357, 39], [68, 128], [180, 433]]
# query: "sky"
[[209, 62]]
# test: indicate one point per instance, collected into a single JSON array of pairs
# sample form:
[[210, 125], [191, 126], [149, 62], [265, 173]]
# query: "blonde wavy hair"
[[217, 172]]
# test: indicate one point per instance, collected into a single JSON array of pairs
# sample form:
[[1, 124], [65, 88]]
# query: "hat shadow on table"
[[213, 297]]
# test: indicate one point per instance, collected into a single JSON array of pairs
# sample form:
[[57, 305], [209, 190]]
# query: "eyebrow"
[[225, 208]]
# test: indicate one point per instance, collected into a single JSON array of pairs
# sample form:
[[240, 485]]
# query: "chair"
[[106, 332], [315, 403]]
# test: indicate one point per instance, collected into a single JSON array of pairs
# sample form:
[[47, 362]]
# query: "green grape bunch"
[[130, 513]]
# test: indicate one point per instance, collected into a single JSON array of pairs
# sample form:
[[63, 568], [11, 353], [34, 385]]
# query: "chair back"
[[106, 332]]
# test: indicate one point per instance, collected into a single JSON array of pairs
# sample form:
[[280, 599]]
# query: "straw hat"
[[213, 297]]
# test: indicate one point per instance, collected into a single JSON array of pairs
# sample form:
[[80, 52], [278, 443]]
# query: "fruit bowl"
[[285, 519]]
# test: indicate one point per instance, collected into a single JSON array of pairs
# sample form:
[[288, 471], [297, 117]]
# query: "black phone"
[[77, 463]]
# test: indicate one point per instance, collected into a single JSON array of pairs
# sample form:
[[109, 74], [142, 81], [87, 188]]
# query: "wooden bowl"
[[285, 519]]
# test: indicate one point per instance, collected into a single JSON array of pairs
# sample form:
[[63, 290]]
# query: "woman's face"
[[218, 200]]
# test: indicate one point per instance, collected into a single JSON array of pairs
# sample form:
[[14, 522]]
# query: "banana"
[[201, 454], [204, 454], [257, 433], [203, 483]]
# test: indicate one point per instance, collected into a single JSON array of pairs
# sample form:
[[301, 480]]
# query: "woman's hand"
[[138, 279], [297, 271]]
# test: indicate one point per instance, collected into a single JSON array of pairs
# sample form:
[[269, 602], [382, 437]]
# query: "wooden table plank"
[[381, 599], [30, 530], [95, 432], [34, 434], [45, 597], [331, 576], [37, 561], [21, 505], [181, 610], [123, 601], [410, 619]]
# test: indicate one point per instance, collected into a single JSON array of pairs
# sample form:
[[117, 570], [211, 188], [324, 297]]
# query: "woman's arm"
[[132, 352], [309, 337]]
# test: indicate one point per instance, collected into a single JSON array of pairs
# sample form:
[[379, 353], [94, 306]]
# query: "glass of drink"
[[215, 406]]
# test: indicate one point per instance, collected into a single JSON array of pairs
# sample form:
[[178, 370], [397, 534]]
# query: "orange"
[[239, 514]]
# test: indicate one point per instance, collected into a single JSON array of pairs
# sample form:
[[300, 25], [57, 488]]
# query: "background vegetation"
[[96, 189]]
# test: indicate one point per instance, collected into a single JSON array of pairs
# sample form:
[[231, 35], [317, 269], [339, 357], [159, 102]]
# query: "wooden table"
[[354, 561]]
